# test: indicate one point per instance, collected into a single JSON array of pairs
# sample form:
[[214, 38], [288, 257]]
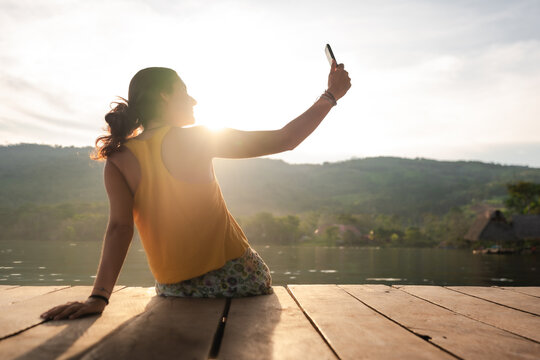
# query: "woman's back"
[[185, 226], [179, 155]]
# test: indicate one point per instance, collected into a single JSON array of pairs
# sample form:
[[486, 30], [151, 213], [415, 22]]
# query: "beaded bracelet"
[[327, 97], [100, 297], [330, 94]]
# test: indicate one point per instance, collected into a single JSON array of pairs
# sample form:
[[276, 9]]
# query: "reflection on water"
[[387, 279], [51, 263]]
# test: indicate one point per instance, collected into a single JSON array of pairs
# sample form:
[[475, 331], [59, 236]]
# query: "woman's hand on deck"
[[75, 309]]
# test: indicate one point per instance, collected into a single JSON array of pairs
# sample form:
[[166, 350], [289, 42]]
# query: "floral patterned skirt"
[[247, 275]]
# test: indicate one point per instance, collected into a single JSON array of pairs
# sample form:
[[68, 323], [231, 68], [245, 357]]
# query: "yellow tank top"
[[185, 228]]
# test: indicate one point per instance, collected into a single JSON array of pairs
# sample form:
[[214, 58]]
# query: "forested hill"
[[41, 174]]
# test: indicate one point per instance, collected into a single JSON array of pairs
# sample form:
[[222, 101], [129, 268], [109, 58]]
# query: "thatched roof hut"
[[491, 226]]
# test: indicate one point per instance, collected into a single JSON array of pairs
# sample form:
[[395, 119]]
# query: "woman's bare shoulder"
[[122, 157]]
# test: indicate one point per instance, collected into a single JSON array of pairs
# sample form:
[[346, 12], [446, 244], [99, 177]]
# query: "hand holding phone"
[[338, 79]]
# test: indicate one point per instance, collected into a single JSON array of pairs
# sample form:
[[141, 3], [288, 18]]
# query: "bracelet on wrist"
[[329, 99], [331, 95], [100, 297]]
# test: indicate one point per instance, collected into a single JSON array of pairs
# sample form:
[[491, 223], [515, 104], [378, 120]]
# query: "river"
[[65, 263]]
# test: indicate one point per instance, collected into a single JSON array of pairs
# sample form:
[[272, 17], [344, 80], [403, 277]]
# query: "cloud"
[[486, 95], [427, 75], [24, 89]]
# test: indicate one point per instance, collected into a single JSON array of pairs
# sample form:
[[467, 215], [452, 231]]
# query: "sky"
[[445, 80]]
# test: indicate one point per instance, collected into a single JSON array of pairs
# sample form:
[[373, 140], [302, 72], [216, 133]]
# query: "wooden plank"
[[173, 327], [355, 331], [270, 327], [23, 314], [517, 322], [458, 334], [63, 339], [528, 290], [508, 298], [7, 287], [26, 292]]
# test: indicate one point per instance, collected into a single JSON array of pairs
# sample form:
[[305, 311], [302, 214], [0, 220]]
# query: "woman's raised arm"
[[233, 143]]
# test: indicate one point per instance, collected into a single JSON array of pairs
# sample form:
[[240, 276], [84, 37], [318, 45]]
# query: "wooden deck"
[[296, 322]]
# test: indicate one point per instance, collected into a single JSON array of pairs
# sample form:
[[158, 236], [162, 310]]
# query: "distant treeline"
[[88, 222], [66, 221], [58, 193], [358, 229]]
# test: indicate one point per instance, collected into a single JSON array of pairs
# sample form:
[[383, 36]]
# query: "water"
[[65, 263]]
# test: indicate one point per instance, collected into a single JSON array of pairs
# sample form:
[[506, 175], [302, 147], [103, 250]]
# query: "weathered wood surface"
[[271, 327], [511, 299], [5, 287], [528, 290], [170, 328], [27, 292], [24, 314], [517, 322], [352, 328], [63, 339], [296, 322], [460, 335]]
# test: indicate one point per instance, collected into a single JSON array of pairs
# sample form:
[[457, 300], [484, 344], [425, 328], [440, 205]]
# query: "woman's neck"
[[156, 124]]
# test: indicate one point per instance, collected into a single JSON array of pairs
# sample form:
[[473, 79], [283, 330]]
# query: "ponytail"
[[123, 123]]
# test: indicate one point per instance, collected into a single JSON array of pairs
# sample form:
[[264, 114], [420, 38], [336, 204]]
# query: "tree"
[[415, 237], [265, 227], [524, 197], [332, 236]]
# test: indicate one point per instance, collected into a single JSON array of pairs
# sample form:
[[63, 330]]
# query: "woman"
[[161, 179]]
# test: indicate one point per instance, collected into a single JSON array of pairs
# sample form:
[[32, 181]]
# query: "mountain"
[[46, 175]]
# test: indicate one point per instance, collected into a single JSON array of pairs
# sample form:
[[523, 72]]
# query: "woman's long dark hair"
[[128, 116]]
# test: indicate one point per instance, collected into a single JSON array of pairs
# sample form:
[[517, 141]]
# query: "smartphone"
[[329, 54]]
